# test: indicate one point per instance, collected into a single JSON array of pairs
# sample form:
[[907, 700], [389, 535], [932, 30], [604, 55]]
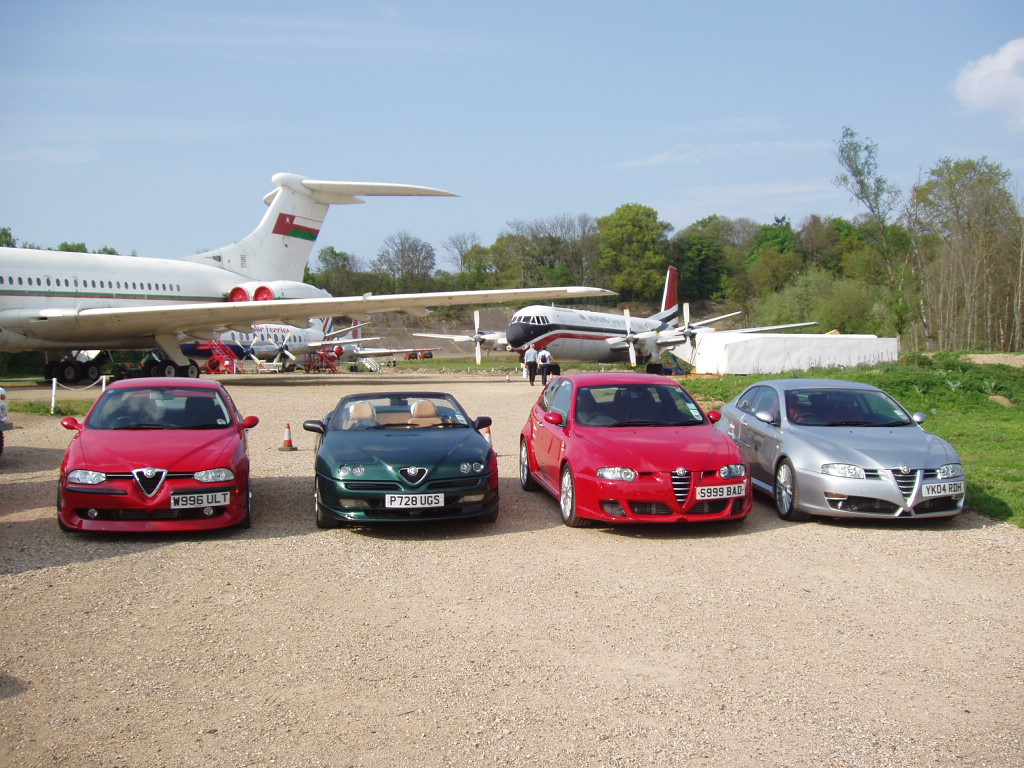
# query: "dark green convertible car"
[[403, 456]]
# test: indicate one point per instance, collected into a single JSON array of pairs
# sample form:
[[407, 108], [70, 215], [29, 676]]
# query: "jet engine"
[[275, 289]]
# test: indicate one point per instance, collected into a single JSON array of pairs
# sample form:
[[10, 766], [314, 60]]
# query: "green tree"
[[633, 252], [700, 260], [861, 178], [7, 240]]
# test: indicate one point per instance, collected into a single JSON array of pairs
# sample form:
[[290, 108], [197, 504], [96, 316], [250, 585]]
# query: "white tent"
[[721, 352]]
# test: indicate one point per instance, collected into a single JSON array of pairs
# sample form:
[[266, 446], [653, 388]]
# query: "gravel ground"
[[520, 643]]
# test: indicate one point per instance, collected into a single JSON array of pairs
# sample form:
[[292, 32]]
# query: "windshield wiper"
[[639, 423]]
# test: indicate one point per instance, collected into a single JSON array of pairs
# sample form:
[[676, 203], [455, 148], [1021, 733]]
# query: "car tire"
[[488, 517], [567, 500], [787, 495], [60, 523], [525, 475], [323, 520], [246, 521]]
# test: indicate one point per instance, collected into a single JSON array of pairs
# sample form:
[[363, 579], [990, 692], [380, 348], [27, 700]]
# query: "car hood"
[[884, 447], [392, 447], [177, 450], [648, 449]]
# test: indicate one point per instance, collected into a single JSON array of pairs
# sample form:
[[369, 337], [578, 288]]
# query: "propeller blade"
[[720, 317], [478, 354], [632, 356]]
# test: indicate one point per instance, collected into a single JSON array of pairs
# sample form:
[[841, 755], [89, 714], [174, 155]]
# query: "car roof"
[[595, 378], [788, 384], [162, 381]]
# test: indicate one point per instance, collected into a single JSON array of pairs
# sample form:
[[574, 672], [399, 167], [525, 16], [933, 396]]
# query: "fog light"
[[472, 498], [352, 503], [613, 508], [208, 511], [93, 513]]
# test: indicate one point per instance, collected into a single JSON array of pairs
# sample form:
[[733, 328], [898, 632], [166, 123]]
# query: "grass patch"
[[67, 408]]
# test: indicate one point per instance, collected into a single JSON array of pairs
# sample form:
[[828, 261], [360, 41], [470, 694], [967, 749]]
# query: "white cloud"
[[995, 83]]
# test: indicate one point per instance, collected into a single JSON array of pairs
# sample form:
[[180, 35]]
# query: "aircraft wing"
[[201, 320], [380, 352]]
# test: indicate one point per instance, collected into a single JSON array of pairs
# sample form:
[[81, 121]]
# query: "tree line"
[[941, 266]]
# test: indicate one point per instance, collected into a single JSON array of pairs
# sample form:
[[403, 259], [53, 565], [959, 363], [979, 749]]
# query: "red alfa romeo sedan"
[[631, 448], [157, 454]]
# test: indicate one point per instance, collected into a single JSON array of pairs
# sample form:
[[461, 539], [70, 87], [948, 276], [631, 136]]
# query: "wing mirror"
[[554, 418], [766, 417], [482, 422], [714, 416], [314, 425], [250, 421], [70, 422], [919, 417]]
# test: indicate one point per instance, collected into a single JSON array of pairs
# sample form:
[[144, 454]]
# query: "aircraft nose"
[[518, 335]]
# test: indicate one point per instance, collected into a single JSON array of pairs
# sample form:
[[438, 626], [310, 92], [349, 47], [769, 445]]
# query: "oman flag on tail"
[[290, 225]]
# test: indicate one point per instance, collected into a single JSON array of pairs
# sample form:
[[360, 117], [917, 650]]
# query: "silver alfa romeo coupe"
[[842, 449]]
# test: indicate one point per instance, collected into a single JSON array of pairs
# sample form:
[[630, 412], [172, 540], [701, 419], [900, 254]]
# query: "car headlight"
[[950, 470], [347, 471], [219, 475], [843, 470], [617, 473], [467, 467], [86, 477], [730, 471]]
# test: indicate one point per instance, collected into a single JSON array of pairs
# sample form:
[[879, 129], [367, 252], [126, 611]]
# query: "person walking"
[[544, 361], [530, 361]]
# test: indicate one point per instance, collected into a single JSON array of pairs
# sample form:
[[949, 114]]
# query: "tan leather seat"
[[424, 414], [361, 414]]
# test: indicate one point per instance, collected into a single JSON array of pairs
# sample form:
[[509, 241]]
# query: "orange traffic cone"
[[287, 439]]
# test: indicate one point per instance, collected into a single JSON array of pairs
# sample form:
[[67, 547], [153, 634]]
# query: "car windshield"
[[407, 410], [160, 408], [636, 405], [844, 408]]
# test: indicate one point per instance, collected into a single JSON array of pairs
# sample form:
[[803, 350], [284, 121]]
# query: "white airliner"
[[63, 303], [601, 337]]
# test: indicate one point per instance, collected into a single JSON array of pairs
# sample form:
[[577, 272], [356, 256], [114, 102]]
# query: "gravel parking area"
[[519, 643]]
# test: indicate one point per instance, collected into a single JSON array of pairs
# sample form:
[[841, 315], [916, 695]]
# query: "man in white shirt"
[[530, 361], [544, 360]]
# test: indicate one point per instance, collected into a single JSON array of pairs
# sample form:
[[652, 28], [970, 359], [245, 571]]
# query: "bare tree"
[[458, 247]]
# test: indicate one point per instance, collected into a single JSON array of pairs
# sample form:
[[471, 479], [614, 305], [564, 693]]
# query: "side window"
[[767, 400], [747, 399], [562, 398], [549, 394]]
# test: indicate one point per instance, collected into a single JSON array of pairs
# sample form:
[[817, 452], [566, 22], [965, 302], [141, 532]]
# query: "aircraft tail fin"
[[279, 247], [669, 299]]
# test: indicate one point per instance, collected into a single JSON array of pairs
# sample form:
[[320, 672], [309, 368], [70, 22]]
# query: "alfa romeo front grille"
[[681, 485]]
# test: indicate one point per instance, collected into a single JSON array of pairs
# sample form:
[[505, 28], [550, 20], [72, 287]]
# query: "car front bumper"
[[880, 497], [660, 498], [361, 502], [120, 507]]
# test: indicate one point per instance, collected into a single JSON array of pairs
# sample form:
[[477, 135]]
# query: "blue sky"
[[156, 128]]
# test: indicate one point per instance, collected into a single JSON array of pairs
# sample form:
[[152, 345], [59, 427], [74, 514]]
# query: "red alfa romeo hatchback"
[[157, 455], [631, 448]]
